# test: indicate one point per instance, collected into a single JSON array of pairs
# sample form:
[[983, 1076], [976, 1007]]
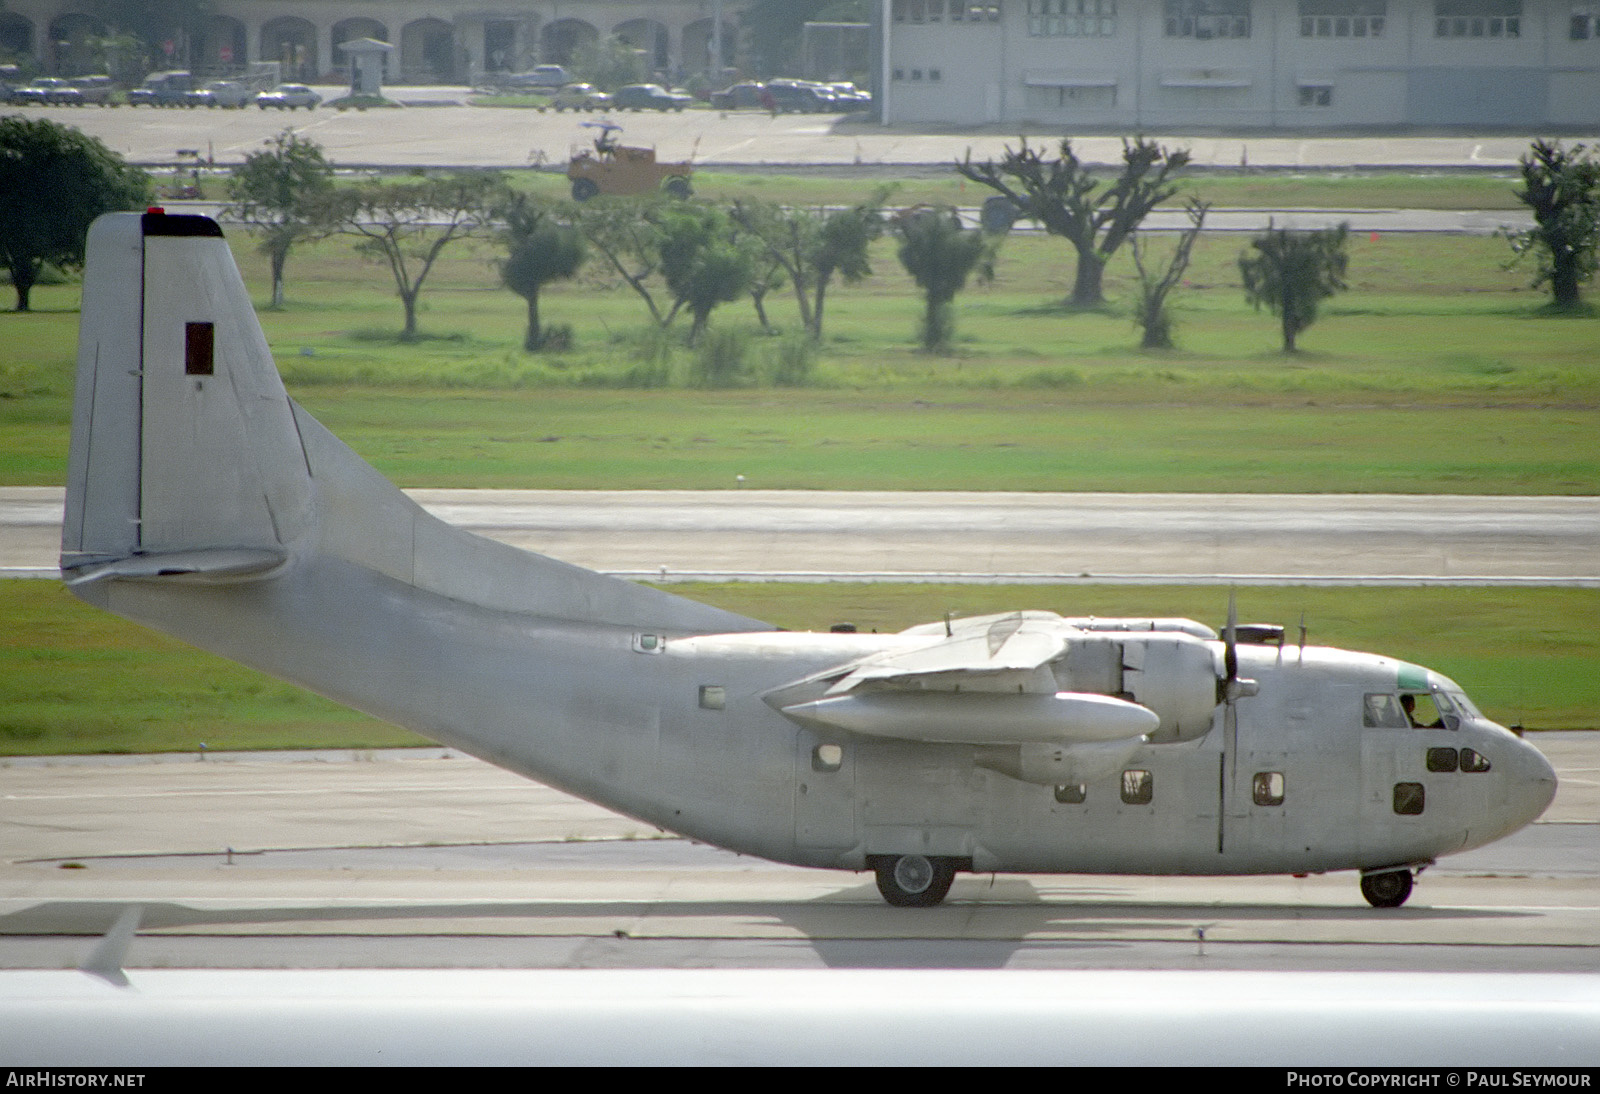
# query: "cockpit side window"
[[1427, 710], [1382, 711]]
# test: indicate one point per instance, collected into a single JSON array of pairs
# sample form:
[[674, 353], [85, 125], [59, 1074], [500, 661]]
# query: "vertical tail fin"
[[185, 455], [189, 459]]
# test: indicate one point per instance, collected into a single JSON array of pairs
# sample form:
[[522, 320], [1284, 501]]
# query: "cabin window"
[[713, 697], [1072, 795], [1266, 788], [1473, 762], [1138, 787], [199, 342], [827, 758], [1443, 759], [1409, 799]]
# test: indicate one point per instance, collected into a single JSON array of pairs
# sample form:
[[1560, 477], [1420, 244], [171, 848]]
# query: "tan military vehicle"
[[613, 168]]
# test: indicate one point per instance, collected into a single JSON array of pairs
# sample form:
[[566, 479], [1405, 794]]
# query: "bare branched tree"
[[1067, 200]]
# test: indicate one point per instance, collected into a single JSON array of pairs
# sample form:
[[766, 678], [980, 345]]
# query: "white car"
[[288, 97]]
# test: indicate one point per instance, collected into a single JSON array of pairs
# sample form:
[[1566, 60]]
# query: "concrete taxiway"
[[426, 858], [950, 536]]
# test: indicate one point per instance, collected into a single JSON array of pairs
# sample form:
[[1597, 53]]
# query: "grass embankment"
[[75, 680]]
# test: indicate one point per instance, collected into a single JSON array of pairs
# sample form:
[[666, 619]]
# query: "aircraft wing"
[[987, 681]]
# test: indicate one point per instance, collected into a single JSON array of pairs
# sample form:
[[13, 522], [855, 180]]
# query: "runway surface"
[[425, 858], [947, 536]]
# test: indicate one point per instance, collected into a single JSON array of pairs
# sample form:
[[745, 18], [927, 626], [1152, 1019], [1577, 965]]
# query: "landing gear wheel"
[[1388, 889], [584, 189], [913, 881], [678, 187]]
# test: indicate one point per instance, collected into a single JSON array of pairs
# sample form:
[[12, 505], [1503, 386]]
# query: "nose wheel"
[[1388, 889], [913, 881]]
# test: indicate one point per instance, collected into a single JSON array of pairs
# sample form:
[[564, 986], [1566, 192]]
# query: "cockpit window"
[[1381, 711], [1430, 710], [1464, 705]]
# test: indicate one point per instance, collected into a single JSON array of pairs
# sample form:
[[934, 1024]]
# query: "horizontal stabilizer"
[[214, 565]]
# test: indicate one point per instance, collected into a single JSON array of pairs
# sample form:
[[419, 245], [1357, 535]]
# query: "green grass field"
[[75, 680], [1437, 371]]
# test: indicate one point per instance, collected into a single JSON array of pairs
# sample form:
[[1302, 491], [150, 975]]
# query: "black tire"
[[678, 186], [584, 189], [1388, 889], [913, 881]]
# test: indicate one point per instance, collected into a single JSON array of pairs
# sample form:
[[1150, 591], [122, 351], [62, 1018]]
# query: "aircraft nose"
[[1535, 785]]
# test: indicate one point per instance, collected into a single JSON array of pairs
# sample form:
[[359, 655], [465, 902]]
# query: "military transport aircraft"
[[203, 502]]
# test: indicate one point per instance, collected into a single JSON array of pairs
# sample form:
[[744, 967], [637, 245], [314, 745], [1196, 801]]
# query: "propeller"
[[1230, 689]]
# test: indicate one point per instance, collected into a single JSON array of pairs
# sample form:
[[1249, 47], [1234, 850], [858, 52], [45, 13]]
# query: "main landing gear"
[[1388, 889], [913, 881]]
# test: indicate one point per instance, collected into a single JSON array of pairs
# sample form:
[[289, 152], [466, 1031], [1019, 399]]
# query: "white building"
[[1139, 64], [437, 40]]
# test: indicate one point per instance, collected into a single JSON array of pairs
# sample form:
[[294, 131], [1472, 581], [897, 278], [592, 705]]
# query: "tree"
[[408, 224], [813, 245], [282, 193], [940, 255], [1068, 201], [1562, 187], [540, 248], [1156, 285], [53, 182], [158, 22], [608, 64], [1291, 273], [704, 260], [626, 233]]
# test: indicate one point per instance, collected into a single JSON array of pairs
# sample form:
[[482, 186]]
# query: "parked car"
[[541, 78], [228, 94], [46, 90], [95, 90], [163, 89], [649, 97], [848, 96], [746, 96], [289, 97], [580, 97], [798, 97]]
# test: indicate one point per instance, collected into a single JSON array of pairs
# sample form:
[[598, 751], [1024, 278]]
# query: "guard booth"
[[367, 59]]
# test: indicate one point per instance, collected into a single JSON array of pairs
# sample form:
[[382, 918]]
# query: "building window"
[[1071, 98], [1477, 18], [1208, 19], [1343, 18], [1585, 22], [1316, 95], [1072, 18], [933, 11]]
